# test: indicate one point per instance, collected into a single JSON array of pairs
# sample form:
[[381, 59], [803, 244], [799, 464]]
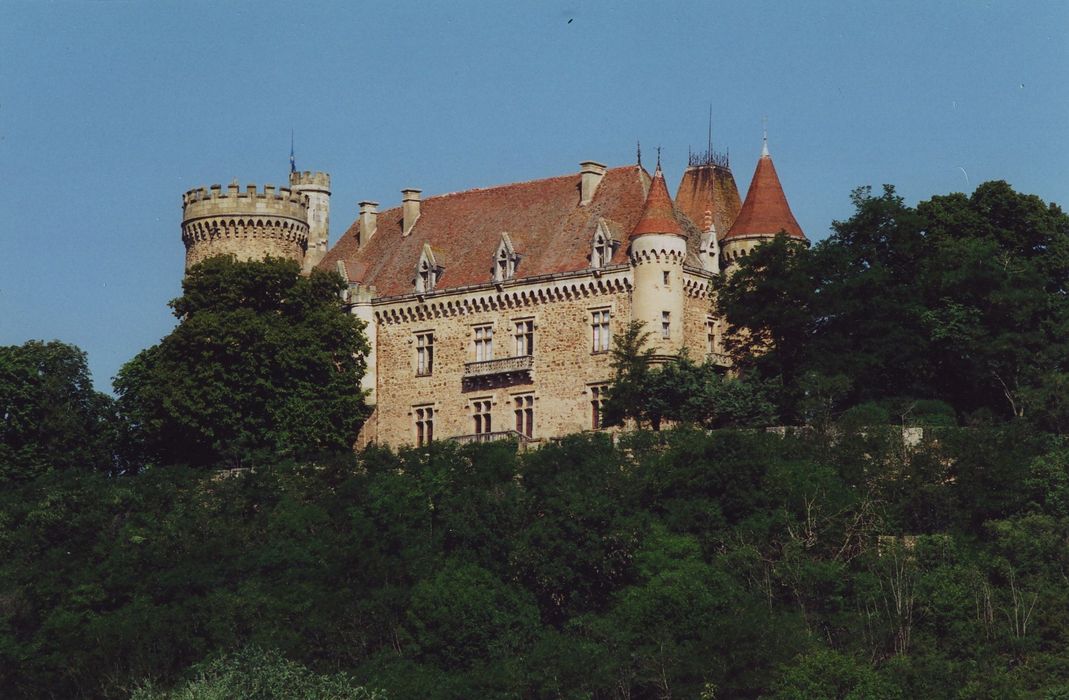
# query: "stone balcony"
[[502, 367], [496, 436]]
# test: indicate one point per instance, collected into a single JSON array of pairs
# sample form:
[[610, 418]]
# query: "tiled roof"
[[709, 188], [765, 211], [658, 213], [550, 231]]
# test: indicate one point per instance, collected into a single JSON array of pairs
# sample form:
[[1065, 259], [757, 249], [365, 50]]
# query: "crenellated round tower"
[[249, 224], [658, 251], [317, 186]]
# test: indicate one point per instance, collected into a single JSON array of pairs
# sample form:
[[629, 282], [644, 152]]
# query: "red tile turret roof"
[[765, 211], [658, 214], [709, 188], [549, 229]]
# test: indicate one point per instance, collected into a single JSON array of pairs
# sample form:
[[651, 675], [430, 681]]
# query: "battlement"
[[235, 201], [316, 179]]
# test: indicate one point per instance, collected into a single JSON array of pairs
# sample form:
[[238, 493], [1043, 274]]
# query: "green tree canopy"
[[961, 299], [262, 359], [51, 416]]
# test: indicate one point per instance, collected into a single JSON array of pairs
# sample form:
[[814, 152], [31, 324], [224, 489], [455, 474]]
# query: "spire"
[[765, 211], [658, 215], [293, 160], [764, 139]]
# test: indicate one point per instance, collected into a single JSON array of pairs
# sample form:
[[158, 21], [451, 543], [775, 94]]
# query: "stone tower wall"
[[248, 224], [653, 257], [316, 186]]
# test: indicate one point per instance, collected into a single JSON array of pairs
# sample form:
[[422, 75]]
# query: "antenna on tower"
[[658, 157], [638, 150], [709, 147], [293, 160]]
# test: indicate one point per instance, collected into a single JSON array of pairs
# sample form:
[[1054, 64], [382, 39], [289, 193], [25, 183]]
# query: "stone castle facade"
[[491, 312]]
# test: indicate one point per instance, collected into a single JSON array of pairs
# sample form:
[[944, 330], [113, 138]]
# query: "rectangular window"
[[599, 325], [666, 324], [525, 415], [665, 278], [424, 354], [710, 336], [484, 343], [481, 415], [597, 401], [524, 337], [424, 425]]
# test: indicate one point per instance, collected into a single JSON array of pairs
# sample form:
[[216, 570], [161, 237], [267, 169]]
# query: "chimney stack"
[[591, 173], [409, 209], [369, 221]]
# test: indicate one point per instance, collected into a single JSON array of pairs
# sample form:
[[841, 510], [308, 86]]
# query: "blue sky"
[[109, 111]]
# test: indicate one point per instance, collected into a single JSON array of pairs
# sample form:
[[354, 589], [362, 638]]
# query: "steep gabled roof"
[[543, 218], [658, 214], [765, 211]]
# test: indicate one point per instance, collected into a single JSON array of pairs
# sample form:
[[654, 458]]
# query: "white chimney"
[[591, 174], [409, 209], [369, 221]]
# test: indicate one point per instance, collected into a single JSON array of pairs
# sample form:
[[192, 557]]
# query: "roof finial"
[[293, 160], [710, 146], [658, 158], [638, 149], [764, 143]]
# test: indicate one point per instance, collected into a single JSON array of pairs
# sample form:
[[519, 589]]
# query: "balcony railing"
[[720, 359], [503, 365], [491, 437]]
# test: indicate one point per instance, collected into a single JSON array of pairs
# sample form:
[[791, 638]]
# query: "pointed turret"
[[658, 251], [658, 215], [708, 185], [765, 211]]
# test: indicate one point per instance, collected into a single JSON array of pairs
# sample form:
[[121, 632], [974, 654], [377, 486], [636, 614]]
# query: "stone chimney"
[[409, 209], [369, 221], [591, 174]]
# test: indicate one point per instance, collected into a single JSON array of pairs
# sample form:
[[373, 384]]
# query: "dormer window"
[[505, 259], [601, 255], [428, 271], [710, 251], [426, 280]]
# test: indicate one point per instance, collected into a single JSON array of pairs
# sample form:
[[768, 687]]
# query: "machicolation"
[[248, 224]]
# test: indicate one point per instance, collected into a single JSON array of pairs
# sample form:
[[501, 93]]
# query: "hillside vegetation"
[[902, 531]]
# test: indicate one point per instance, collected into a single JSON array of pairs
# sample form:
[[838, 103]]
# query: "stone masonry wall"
[[564, 368]]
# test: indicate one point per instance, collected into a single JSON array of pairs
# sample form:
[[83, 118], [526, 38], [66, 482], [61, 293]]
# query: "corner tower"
[[658, 251], [317, 187], [249, 224], [763, 215]]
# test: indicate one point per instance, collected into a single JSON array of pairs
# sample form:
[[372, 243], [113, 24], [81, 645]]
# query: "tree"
[[263, 359], [679, 390], [52, 417]]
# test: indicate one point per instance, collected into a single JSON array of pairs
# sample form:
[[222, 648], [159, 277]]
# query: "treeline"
[[210, 533], [686, 563]]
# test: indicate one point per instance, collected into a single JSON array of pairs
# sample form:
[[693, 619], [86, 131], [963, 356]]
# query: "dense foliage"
[[263, 360], [906, 538], [683, 563], [52, 418], [960, 299]]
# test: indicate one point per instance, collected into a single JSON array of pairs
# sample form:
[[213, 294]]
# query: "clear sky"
[[109, 111]]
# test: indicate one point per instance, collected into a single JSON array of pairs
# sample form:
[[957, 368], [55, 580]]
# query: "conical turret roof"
[[765, 211], [658, 215]]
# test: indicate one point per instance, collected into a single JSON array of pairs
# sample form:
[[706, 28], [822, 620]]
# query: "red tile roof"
[[658, 213], [548, 229], [765, 211], [709, 188]]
